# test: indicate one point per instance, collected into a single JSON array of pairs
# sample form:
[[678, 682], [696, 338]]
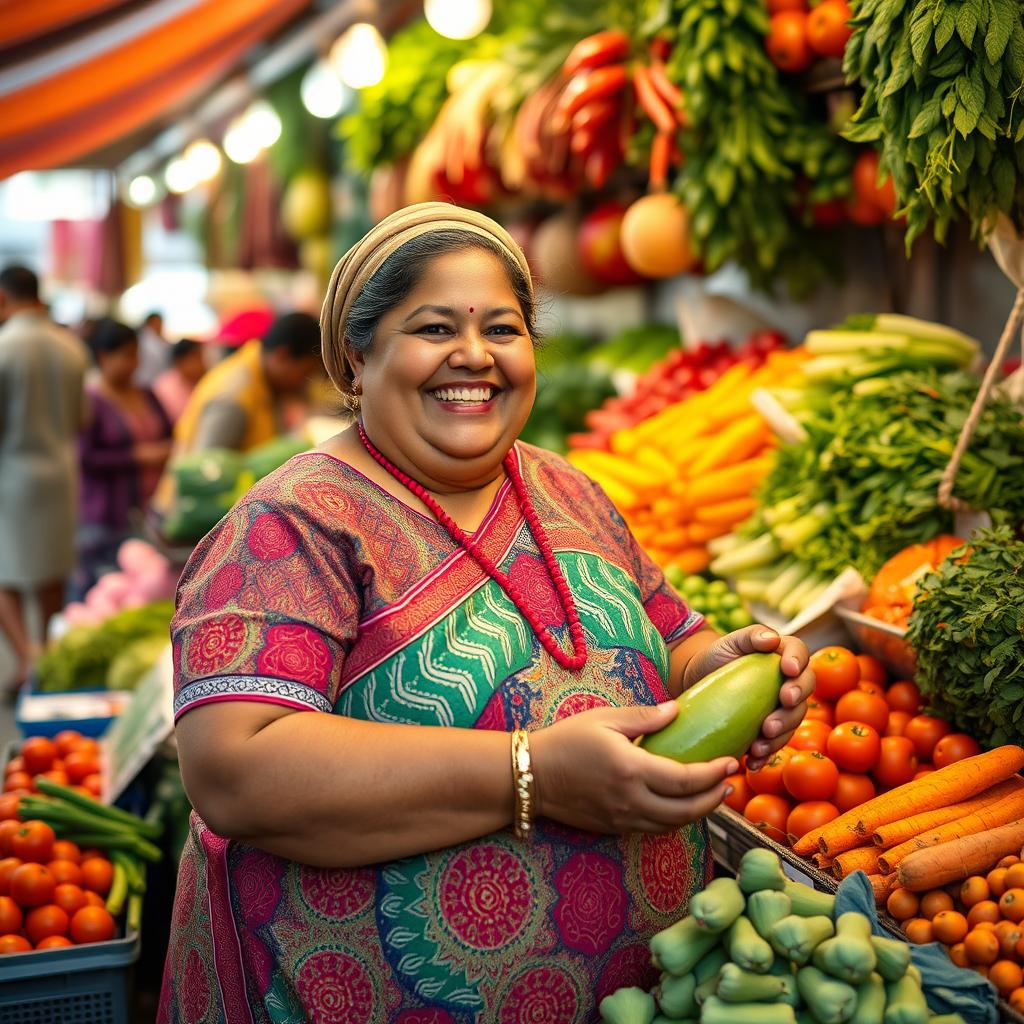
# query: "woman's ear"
[[355, 360]]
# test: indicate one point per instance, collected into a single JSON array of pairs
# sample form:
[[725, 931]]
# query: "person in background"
[[154, 350], [42, 367], [121, 452], [239, 403], [175, 385]]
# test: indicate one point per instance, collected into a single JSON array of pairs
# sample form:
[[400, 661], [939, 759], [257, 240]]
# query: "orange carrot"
[[1010, 808], [959, 858], [861, 858], [881, 886], [952, 784], [823, 861], [896, 832]]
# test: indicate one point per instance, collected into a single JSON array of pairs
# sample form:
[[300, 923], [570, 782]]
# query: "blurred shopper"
[[154, 350], [42, 367], [122, 451], [239, 403], [175, 385]]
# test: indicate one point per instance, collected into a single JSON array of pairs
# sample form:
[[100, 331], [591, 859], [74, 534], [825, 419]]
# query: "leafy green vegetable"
[[128, 668], [943, 87], [565, 394], [967, 629]]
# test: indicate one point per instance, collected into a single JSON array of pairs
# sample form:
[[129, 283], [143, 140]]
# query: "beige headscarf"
[[367, 256]]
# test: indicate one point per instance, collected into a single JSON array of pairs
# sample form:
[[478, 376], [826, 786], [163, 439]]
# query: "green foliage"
[[967, 629], [943, 84]]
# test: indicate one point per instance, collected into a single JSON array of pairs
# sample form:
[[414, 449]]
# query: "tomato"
[[97, 874], [810, 775], [897, 761], [69, 897], [65, 871], [94, 784], [7, 830], [18, 781], [9, 807], [836, 672], [866, 188], [33, 841], [953, 747], [922, 772], [902, 904], [806, 817], [7, 868], [66, 739], [768, 779], [875, 689], [79, 764], [904, 695], [38, 753], [854, 746], [86, 745], [810, 736], [897, 723], [858, 706], [769, 813], [820, 711], [92, 924], [871, 669], [774, 6], [786, 41], [14, 944], [54, 942], [10, 915], [852, 790], [741, 792], [828, 29], [64, 849], [950, 926], [94, 899], [16, 764], [32, 885], [43, 922], [924, 732]]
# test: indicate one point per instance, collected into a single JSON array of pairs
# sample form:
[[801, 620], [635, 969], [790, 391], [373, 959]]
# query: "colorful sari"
[[320, 591]]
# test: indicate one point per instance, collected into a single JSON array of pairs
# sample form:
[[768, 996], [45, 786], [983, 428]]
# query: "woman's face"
[[450, 379], [118, 367]]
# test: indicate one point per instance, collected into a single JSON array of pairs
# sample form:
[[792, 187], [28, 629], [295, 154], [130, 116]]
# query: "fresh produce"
[[891, 595], [966, 632], [656, 237], [960, 857], [942, 85], [723, 609], [69, 758], [722, 714]]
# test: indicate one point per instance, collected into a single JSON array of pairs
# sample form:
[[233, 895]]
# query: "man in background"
[[154, 350], [42, 407], [175, 385]]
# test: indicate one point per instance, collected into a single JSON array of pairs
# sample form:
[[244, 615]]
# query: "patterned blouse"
[[320, 591]]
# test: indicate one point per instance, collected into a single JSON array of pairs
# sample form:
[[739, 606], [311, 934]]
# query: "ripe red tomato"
[[769, 778], [45, 921], [922, 772], [852, 790], [7, 868], [18, 781], [9, 807], [741, 792], [786, 41], [7, 830], [924, 732], [827, 28], [774, 6], [904, 695], [865, 187], [14, 944], [16, 764], [854, 746], [54, 942], [94, 899], [32, 885], [869, 686], [97, 874], [65, 871], [769, 813], [897, 762], [92, 924], [38, 753], [10, 915], [66, 739], [94, 784], [79, 764], [806, 817], [810, 736], [954, 746], [33, 841], [810, 775], [897, 723], [819, 711], [69, 897], [64, 849], [871, 669], [836, 672], [858, 706]]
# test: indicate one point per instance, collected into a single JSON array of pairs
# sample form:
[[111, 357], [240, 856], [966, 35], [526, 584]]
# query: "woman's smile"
[[466, 397]]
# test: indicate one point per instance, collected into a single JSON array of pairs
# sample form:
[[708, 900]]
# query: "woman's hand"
[[780, 725], [591, 776]]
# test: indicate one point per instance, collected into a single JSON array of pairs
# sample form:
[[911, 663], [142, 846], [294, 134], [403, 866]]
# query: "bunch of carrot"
[[688, 474]]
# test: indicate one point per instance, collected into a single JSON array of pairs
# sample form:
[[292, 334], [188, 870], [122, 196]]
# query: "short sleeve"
[[267, 610]]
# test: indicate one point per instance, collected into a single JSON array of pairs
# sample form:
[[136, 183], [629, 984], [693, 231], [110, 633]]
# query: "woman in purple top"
[[121, 452]]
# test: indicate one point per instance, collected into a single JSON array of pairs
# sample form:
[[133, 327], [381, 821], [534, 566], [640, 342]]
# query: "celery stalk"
[[727, 542], [751, 589], [834, 343], [799, 597], [790, 577], [792, 535], [786, 511], [923, 329], [761, 551]]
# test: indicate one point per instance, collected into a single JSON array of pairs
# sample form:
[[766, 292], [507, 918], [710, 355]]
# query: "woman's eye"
[[504, 329], [434, 329]]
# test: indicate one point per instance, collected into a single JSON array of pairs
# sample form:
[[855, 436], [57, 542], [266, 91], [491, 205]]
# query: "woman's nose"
[[471, 351]]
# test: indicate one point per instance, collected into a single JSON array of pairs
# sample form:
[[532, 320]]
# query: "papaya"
[[721, 716]]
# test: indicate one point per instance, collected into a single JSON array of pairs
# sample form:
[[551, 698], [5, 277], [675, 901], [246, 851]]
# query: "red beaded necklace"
[[578, 658]]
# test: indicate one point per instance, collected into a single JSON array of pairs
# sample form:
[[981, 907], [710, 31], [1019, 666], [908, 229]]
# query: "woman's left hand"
[[780, 725]]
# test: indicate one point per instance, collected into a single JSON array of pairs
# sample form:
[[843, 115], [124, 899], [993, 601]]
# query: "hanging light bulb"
[[359, 56], [323, 93], [180, 176], [204, 159], [264, 123], [240, 142], [141, 190], [457, 19]]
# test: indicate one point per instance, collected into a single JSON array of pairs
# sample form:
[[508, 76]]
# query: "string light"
[[180, 176], [457, 19], [359, 56], [204, 158], [323, 93], [141, 190]]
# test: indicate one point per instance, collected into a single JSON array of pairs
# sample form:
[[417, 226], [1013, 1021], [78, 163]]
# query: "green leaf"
[[865, 131], [900, 73], [1020, 132], [920, 37], [1014, 57], [1004, 178], [945, 29], [987, 127], [967, 21], [927, 119], [971, 95], [949, 103], [1000, 26]]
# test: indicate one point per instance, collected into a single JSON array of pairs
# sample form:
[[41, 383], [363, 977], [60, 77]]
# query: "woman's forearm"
[[338, 792], [683, 653]]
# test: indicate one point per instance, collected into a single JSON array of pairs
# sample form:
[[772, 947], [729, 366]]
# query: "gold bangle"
[[522, 784]]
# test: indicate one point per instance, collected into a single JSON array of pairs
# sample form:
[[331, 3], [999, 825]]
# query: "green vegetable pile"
[[751, 139], [967, 630], [943, 88], [83, 657], [723, 609], [760, 949]]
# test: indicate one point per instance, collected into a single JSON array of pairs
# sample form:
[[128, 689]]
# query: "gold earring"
[[357, 389]]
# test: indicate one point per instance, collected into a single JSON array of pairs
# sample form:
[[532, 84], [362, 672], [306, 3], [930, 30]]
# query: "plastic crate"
[[885, 641], [46, 714]]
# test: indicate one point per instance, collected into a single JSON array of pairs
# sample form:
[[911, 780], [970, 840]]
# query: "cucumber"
[[870, 1002], [760, 869], [765, 909], [715, 1011], [831, 1001], [893, 957], [717, 905], [796, 938], [905, 1002], [677, 949], [747, 948], [675, 996], [736, 985], [721, 716]]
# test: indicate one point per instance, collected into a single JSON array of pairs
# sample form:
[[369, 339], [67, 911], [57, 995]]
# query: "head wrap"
[[367, 256]]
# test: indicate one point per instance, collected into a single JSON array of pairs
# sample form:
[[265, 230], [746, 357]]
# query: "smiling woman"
[[408, 670]]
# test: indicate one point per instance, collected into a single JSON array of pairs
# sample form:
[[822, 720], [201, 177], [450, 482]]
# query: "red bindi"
[[471, 309]]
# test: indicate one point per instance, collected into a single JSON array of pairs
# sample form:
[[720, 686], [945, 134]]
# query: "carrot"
[[952, 784], [661, 156], [742, 439], [731, 512], [881, 886], [691, 560], [959, 858], [654, 460], [823, 861], [861, 858], [896, 832], [701, 532], [736, 481], [1009, 808]]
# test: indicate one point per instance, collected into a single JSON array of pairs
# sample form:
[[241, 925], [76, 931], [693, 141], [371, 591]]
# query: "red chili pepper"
[[594, 114], [650, 99], [586, 87], [667, 89], [595, 51], [661, 154], [660, 48], [602, 161]]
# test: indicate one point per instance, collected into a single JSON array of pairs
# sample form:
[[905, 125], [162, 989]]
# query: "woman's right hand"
[[590, 775]]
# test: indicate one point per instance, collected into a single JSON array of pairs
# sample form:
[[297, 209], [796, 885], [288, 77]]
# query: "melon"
[[556, 255], [656, 237]]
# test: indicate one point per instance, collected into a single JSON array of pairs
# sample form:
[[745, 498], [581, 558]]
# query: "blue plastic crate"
[[33, 725]]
